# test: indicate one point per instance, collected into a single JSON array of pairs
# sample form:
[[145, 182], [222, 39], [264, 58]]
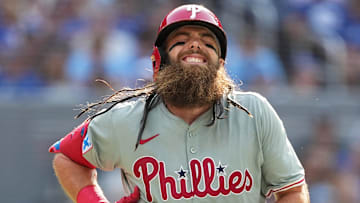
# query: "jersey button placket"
[[193, 150], [190, 153], [192, 147]]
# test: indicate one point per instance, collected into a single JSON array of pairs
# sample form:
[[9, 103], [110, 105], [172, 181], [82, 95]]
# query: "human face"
[[193, 45], [195, 75]]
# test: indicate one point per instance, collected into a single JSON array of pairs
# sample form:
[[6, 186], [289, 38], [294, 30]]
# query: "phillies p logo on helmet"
[[194, 9]]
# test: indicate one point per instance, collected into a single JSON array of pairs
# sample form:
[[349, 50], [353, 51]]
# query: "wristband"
[[91, 194]]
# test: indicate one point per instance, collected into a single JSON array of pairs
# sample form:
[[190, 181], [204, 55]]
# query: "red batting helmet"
[[190, 14]]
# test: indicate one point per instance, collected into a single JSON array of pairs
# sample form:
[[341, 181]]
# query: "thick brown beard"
[[194, 85]]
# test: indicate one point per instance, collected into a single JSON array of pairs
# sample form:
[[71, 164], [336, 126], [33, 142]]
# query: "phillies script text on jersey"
[[236, 182]]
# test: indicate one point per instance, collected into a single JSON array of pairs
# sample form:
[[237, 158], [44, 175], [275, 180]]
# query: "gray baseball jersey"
[[238, 159]]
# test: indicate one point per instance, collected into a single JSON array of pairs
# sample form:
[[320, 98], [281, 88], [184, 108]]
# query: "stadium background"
[[303, 55]]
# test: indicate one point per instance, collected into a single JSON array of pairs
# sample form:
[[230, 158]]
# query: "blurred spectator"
[[251, 63], [20, 71], [142, 70], [306, 76], [326, 17], [348, 181], [320, 161], [102, 51], [351, 34], [351, 28], [321, 176], [53, 62], [353, 67], [302, 54]]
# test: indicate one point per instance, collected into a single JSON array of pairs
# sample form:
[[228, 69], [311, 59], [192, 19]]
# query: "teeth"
[[193, 60]]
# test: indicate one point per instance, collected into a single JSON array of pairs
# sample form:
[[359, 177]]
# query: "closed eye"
[[211, 46], [176, 44]]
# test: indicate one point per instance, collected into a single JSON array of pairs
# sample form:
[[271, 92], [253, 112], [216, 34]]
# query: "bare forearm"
[[72, 176], [295, 195]]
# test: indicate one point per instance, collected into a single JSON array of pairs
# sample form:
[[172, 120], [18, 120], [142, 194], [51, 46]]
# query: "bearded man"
[[196, 138]]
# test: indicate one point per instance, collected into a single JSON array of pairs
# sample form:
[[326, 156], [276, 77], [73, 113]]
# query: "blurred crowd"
[[305, 45]]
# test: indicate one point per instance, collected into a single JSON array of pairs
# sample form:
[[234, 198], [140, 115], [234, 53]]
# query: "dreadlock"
[[151, 100], [119, 96]]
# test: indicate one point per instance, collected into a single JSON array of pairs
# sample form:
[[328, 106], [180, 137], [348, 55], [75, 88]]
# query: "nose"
[[195, 44]]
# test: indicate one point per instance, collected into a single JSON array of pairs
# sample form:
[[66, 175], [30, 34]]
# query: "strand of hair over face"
[[151, 100]]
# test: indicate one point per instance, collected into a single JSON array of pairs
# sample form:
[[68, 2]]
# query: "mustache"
[[197, 51]]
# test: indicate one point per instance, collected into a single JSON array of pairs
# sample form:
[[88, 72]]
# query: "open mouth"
[[194, 59]]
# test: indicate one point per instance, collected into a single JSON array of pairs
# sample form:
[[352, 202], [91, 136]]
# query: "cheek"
[[214, 58], [173, 55]]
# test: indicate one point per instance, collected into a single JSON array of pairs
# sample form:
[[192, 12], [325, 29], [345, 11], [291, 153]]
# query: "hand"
[[132, 198]]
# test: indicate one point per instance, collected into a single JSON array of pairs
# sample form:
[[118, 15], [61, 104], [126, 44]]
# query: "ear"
[[222, 62]]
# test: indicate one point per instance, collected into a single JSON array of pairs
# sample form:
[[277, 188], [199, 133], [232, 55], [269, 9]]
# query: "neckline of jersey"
[[203, 119]]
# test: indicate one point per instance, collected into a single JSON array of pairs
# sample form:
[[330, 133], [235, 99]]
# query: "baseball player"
[[187, 137]]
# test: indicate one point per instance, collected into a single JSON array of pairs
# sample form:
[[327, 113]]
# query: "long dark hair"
[[151, 100]]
